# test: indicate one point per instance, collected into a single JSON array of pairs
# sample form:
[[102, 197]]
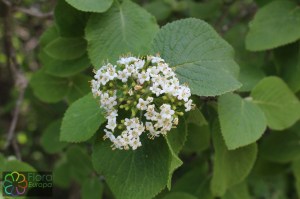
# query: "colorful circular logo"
[[15, 184]]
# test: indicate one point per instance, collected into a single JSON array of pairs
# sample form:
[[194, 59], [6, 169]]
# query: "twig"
[[29, 11], [34, 12], [6, 2], [18, 76]]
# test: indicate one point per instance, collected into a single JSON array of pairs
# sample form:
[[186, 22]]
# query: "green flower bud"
[[180, 113]]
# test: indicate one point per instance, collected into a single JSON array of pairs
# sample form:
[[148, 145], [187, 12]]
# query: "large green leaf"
[[92, 188], [48, 36], [239, 191], [274, 25], [281, 147], [52, 89], [81, 120], [230, 167], [49, 88], [66, 48], [16, 165], [79, 86], [91, 5], [70, 22], [198, 138], [177, 136], [242, 122], [80, 163], [288, 59], [179, 195], [62, 175], [63, 68], [160, 9], [250, 62], [280, 105], [124, 28], [137, 174], [194, 181], [56, 67], [50, 138], [176, 139], [199, 56]]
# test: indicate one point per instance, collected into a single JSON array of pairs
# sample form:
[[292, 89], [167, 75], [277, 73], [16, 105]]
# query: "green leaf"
[[56, 67], [81, 120], [230, 167], [281, 147], [196, 117], [64, 68], [66, 48], [62, 174], [249, 77], [280, 105], [50, 138], [70, 22], [79, 86], [81, 164], [242, 122], [250, 62], [91, 5], [48, 36], [239, 191], [174, 163], [137, 174], [288, 59], [198, 138], [176, 139], [124, 28], [273, 187], [194, 181], [199, 56], [274, 25], [205, 9], [16, 165], [179, 195], [177, 136], [296, 172], [160, 9], [92, 188], [48, 88]]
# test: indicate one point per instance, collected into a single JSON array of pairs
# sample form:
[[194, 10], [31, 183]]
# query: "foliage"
[[241, 60]]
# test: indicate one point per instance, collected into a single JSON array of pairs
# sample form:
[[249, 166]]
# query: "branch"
[[17, 74]]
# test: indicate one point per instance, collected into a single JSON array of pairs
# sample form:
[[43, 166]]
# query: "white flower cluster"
[[146, 93]]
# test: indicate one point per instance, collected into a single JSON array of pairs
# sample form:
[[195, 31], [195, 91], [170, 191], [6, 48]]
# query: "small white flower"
[[166, 111], [111, 124], [126, 60], [143, 77], [142, 105], [151, 114], [139, 64], [123, 75], [188, 105]]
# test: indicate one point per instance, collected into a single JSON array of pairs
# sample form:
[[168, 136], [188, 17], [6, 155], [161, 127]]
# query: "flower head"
[[148, 94]]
